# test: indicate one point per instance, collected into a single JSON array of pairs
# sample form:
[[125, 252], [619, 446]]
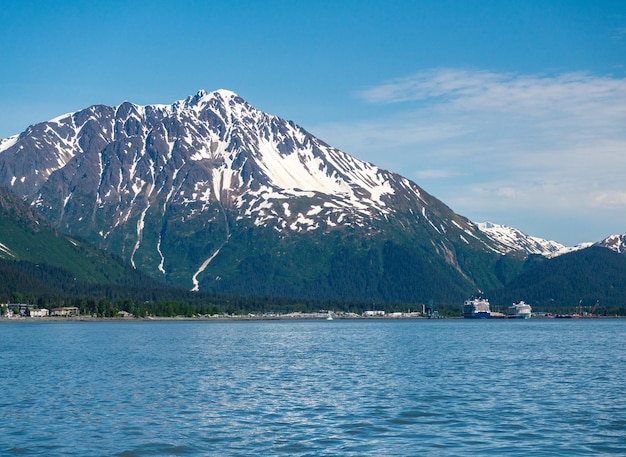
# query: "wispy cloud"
[[482, 140], [444, 83], [532, 95]]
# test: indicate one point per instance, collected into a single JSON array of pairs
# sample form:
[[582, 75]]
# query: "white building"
[[40, 312], [373, 313]]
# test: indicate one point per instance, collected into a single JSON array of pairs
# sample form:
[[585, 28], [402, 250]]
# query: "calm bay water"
[[350, 388]]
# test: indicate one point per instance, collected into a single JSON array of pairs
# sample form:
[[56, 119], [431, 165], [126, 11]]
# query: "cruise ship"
[[476, 308], [519, 310]]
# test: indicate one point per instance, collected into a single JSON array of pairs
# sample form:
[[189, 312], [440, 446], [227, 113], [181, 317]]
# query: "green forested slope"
[[591, 275], [26, 236]]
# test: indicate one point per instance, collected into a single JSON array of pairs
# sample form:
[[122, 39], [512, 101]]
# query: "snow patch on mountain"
[[616, 243], [6, 143], [4, 249]]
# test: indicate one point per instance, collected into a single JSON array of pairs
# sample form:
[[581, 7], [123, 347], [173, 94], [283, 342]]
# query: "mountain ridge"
[[515, 239]]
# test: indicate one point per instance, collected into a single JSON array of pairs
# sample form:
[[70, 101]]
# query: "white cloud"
[[476, 89], [483, 141]]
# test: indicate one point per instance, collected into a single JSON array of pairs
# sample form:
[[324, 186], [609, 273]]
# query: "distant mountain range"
[[515, 240], [211, 194]]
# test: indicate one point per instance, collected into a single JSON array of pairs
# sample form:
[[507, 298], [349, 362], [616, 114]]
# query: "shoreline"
[[53, 319]]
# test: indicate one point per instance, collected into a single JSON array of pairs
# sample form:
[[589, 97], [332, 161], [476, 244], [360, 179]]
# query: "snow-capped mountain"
[[208, 189], [616, 243], [516, 240], [253, 160]]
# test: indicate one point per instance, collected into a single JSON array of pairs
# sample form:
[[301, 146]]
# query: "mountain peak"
[[225, 93], [202, 96], [616, 243]]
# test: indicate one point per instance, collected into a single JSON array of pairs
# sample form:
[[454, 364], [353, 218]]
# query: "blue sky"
[[512, 112]]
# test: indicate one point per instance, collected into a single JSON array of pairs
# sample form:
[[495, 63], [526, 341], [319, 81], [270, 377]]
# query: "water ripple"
[[348, 388]]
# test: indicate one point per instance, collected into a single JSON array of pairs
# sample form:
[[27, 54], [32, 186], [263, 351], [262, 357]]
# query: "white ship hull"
[[520, 310], [476, 308]]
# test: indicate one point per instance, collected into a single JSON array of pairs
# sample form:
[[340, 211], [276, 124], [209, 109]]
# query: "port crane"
[[593, 310]]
